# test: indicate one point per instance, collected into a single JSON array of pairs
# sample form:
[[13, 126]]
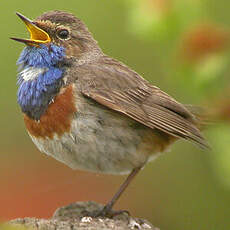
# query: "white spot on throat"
[[31, 73]]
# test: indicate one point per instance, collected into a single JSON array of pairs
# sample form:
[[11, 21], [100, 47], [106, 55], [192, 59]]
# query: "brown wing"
[[114, 85]]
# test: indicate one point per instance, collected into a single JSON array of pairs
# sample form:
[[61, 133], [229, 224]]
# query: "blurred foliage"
[[196, 55], [182, 46], [220, 137], [192, 45], [11, 227]]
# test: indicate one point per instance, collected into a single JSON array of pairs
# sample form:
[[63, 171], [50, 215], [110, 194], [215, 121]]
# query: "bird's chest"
[[57, 118], [96, 139], [85, 135]]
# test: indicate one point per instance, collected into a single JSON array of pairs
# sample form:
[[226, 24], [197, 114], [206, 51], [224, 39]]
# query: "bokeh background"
[[182, 46]]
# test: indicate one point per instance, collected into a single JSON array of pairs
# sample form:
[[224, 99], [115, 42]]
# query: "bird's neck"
[[40, 78]]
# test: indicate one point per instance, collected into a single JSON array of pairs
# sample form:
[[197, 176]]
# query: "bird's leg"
[[108, 207]]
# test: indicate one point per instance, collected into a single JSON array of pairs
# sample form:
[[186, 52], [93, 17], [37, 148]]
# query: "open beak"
[[37, 35]]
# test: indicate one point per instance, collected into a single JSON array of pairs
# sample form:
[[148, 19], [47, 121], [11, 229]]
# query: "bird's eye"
[[63, 34]]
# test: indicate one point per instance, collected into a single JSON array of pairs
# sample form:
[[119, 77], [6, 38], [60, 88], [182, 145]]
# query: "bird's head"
[[58, 40], [60, 29]]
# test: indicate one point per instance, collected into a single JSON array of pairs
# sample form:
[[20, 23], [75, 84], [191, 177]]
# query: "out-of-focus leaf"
[[162, 19], [12, 227], [220, 157], [211, 68]]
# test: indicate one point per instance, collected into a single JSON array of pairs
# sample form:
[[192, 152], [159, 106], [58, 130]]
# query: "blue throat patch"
[[39, 78]]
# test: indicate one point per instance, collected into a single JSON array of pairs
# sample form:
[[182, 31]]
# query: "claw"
[[105, 213]]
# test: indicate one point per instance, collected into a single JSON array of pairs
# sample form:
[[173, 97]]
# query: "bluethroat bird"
[[90, 111]]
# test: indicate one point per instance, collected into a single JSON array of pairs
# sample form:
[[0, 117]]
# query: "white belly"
[[99, 141]]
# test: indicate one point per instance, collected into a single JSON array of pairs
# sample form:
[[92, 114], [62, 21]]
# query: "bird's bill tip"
[[37, 35]]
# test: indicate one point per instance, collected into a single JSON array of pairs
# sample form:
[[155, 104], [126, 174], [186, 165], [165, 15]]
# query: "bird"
[[89, 110]]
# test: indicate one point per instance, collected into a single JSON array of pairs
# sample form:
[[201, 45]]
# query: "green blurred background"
[[182, 46]]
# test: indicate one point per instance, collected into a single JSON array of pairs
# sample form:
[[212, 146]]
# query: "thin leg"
[[122, 188]]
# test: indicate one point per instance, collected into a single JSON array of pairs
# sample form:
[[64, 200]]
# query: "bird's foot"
[[106, 212]]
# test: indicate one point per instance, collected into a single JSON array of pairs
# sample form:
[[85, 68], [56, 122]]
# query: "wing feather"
[[115, 86]]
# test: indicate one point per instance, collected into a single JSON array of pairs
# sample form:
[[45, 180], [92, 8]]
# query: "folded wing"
[[115, 86]]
